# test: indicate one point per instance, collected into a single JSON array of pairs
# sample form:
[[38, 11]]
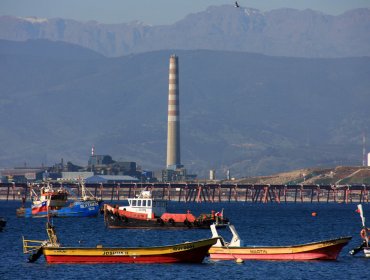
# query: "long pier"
[[206, 192]]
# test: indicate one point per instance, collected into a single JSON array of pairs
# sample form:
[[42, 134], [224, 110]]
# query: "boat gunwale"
[[338, 240], [198, 244]]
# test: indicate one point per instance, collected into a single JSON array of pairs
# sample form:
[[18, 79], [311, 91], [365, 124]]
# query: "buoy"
[[239, 260], [314, 214]]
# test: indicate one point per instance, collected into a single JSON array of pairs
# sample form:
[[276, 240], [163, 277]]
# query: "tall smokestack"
[[173, 129]]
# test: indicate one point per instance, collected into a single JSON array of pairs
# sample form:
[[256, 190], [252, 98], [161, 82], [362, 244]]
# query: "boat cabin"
[[146, 204], [51, 196], [235, 240]]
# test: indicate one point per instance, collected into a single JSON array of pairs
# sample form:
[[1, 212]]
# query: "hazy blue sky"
[[156, 11]]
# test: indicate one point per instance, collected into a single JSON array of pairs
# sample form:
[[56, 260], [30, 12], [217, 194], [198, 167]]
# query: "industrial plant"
[[103, 169]]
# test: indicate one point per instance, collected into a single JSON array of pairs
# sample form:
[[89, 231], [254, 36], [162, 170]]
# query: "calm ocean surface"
[[257, 224]]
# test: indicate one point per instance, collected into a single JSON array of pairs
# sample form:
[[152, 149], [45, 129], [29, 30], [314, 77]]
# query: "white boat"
[[364, 233], [235, 250]]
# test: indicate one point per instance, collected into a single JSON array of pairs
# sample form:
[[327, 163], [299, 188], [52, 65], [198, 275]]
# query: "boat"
[[188, 252], [2, 223], [234, 250], [364, 233], [55, 202], [144, 211]]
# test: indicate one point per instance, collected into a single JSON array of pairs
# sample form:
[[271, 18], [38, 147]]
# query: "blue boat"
[[55, 203]]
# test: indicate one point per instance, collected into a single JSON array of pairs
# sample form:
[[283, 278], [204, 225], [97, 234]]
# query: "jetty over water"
[[206, 192]]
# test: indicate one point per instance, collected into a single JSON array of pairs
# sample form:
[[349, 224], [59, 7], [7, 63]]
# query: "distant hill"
[[250, 113], [338, 176], [47, 48], [281, 32]]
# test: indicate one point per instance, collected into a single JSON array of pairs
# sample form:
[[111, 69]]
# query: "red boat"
[[49, 198], [321, 250], [148, 212]]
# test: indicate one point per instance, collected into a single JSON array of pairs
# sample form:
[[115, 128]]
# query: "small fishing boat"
[[55, 203], [234, 250], [188, 252], [145, 211], [364, 233]]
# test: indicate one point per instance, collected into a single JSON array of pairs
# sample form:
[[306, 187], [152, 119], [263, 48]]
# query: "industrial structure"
[[174, 170], [100, 168], [104, 165], [195, 192], [173, 128]]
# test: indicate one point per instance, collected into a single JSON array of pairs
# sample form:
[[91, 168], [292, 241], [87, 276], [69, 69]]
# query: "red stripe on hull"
[[195, 256], [319, 254]]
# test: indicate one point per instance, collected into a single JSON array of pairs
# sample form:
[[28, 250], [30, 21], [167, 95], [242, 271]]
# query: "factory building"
[[22, 174]]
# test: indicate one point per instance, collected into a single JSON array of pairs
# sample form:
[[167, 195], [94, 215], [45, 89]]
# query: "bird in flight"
[[236, 4]]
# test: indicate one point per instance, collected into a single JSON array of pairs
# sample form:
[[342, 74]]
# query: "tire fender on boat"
[[123, 219], [171, 221]]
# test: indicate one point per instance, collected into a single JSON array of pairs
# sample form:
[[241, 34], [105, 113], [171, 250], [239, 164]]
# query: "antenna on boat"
[[85, 193], [50, 227], [47, 212]]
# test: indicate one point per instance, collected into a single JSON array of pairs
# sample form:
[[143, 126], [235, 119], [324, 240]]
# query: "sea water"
[[257, 224]]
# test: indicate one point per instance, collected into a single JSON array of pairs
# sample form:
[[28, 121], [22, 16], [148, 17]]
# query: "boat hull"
[[190, 252], [75, 209], [323, 250], [117, 222]]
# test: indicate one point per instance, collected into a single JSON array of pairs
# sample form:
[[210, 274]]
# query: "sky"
[[156, 12]]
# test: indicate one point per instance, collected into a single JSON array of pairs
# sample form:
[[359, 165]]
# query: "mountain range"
[[251, 113], [280, 32]]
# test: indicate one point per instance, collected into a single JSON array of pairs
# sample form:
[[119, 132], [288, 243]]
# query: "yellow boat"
[[188, 252], [321, 250]]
